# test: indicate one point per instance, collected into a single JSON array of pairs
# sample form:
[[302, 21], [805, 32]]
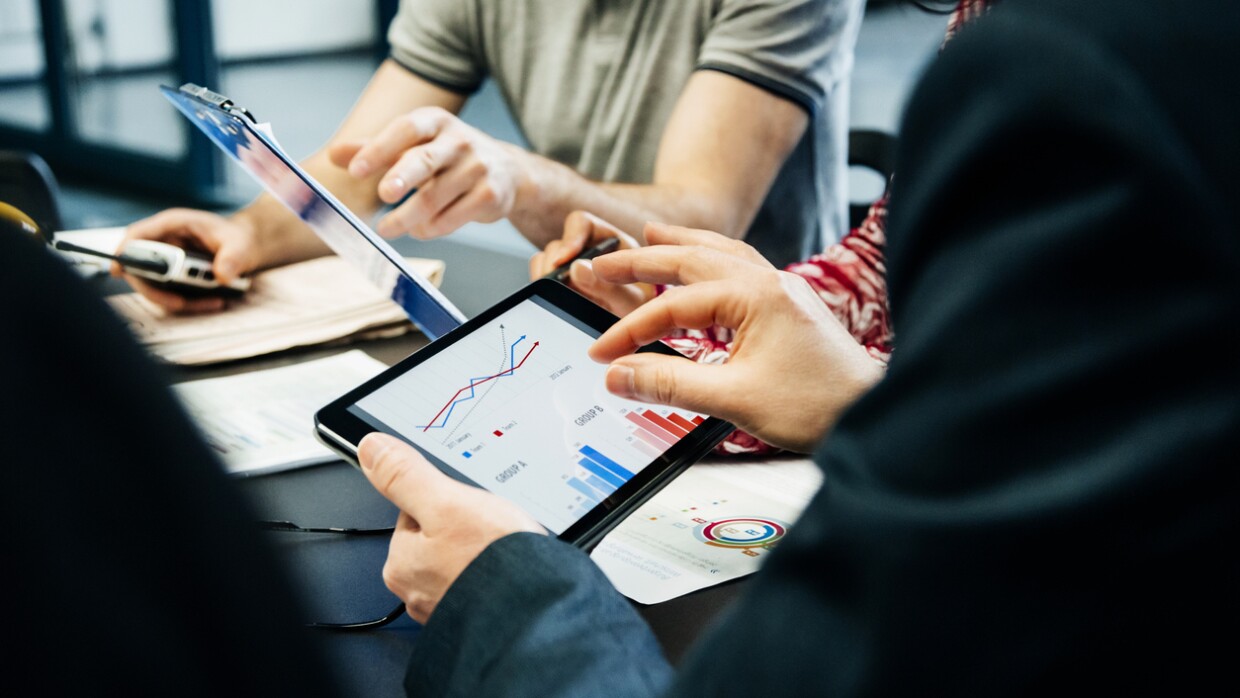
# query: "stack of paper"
[[263, 421], [298, 305]]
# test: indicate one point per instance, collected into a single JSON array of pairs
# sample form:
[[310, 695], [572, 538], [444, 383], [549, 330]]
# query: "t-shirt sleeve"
[[798, 49], [438, 41]]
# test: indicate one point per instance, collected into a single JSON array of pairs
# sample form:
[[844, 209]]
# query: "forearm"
[[551, 191], [281, 237], [712, 172]]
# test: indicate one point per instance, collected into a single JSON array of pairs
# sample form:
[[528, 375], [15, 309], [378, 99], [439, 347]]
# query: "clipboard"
[[251, 145]]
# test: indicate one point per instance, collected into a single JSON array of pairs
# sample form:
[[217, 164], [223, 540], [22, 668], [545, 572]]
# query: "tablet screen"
[[518, 408]]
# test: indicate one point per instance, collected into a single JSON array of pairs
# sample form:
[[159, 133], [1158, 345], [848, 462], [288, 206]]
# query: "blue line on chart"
[[512, 353]]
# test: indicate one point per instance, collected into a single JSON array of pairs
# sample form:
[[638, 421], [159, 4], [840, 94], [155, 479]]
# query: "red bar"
[[497, 432], [651, 427], [681, 422], [645, 446], [667, 426], [698, 420]]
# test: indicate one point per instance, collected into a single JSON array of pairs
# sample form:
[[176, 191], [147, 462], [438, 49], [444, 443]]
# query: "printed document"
[[302, 304], [715, 522], [263, 421]]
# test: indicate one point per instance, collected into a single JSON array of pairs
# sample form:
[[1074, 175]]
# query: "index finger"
[[405, 132], [174, 224], [694, 307], [578, 231], [664, 234], [669, 264]]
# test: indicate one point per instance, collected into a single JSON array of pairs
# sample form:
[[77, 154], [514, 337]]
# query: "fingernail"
[[622, 381], [359, 168], [391, 190], [226, 269], [577, 270]]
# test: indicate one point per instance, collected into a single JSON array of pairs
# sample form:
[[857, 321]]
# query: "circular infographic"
[[745, 532]]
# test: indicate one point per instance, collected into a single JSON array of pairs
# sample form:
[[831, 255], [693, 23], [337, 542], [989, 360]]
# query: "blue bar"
[[600, 485], [602, 472], [608, 463], [584, 489]]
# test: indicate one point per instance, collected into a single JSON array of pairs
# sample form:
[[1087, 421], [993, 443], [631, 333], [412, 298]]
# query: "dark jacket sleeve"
[[535, 617], [1041, 496], [132, 564]]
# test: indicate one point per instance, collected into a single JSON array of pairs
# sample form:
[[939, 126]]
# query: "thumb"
[[234, 258], [401, 474], [671, 380], [578, 230]]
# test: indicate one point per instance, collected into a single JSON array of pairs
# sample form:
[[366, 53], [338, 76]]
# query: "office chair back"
[[27, 183], [873, 150]]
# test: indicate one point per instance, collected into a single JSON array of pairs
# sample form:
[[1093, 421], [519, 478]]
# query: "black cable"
[[361, 625], [290, 527]]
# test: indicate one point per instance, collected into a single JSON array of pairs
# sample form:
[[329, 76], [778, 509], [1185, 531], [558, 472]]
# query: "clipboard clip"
[[216, 99]]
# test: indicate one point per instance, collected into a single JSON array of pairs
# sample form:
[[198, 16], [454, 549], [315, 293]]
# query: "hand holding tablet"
[[443, 525], [512, 403]]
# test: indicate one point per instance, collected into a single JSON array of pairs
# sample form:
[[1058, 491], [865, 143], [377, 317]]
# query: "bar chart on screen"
[[650, 435], [655, 433], [518, 408]]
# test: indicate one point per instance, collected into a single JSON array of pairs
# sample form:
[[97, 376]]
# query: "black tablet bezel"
[[335, 421]]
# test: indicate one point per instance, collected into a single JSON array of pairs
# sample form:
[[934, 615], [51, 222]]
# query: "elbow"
[[736, 227], [721, 214], [731, 224]]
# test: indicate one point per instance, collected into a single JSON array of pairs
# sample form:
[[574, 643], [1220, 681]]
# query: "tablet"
[[252, 146], [511, 402]]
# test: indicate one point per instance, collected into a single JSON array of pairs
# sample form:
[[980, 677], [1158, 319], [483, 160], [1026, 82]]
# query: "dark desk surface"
[[339, 577]]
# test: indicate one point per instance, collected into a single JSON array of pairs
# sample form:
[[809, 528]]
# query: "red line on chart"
[[472, 385]]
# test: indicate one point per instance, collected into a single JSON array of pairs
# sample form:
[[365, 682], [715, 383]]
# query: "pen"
[[560, 273]]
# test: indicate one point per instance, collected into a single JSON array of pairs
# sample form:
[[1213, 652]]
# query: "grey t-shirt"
[[592, 84]]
